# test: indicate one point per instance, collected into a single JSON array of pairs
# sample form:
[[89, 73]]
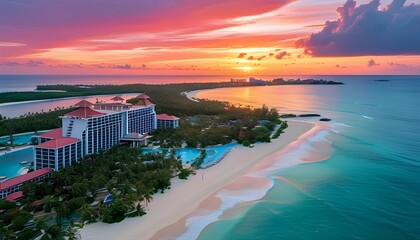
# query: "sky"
[[210, 37]]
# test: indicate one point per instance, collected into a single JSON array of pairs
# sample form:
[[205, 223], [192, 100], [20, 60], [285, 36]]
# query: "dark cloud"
[[339, 66], [282, 55], [394, 64], [260, 58], [241, 55], [372, 63], [125, 66], [128, 67], [366, 30], [29, 63], [10, 64]]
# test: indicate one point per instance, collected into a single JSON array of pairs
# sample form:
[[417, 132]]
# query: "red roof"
[[58, 142], [135, 136], [84, 112], [144, 102], [117, 98], [23, 178], [55, 133], [14, 196], [142, 95], [83, 103], [166, 117], [113, 104]]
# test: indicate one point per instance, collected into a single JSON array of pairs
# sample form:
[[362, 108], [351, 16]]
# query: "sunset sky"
[[217, 37]]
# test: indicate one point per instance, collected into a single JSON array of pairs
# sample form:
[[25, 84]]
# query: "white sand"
[[186, 195], [191, 95]]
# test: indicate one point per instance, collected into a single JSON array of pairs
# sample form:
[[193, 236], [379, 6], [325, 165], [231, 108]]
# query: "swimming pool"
[[187, 155], [213, 153], [21, 138], [10, 162], [216, 153]]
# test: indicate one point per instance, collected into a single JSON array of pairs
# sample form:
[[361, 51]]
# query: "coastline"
[[63, 98], [191, 94], [185, 197]]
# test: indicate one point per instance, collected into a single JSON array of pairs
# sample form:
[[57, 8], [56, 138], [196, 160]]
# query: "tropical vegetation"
[[74, 195]]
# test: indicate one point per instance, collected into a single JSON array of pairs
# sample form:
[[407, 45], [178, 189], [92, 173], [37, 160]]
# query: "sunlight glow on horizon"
[[221, 37]]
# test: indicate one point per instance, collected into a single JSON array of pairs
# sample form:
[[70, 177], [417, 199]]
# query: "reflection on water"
[[288, 99]]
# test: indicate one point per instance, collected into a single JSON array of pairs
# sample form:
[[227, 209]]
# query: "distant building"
[[238, 80], [255, 81], [13, 185], [167, 121], [95, 127]]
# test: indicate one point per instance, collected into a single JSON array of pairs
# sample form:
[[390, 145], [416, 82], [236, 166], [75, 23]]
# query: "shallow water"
[[368, 188], [10, 162]]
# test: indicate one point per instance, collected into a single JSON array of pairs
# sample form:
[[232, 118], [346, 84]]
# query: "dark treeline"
[[32, 123], [87, 90]]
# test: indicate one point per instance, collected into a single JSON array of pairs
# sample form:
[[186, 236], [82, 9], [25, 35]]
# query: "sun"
[[245, 68]]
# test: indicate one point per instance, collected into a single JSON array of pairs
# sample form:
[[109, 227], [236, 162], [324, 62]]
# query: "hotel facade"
[[93, 128]]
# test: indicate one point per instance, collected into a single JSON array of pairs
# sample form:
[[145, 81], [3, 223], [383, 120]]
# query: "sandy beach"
[[191, 94], [167, 213]]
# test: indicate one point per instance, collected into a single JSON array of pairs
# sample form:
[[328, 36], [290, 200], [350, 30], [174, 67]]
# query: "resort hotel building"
[[97, 127], [10, 188], [167, 121]]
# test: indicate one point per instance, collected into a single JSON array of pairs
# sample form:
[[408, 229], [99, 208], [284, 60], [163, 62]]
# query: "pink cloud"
[[44, 24], [368, 30]]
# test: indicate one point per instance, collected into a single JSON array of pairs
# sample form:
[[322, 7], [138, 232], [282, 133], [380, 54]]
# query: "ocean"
[[367, 185]]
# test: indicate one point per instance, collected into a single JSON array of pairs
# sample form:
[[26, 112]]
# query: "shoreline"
[[186, 196], [191, 94], [63, 98]]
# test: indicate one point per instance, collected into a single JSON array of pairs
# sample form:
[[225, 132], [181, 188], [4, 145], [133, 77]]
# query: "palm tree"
[[49, 202], [73, 230], [89, 213], [148, 196], [61, 210]]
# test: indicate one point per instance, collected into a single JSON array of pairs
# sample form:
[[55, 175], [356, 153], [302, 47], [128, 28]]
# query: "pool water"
[[10, 162], [216, 153], [213, 153], [21, 138], [187, 155]]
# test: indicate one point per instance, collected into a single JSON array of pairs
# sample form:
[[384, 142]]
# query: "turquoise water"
[[10, 162], [21, 138], [369, 188], [188, 155], [215, 154]]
